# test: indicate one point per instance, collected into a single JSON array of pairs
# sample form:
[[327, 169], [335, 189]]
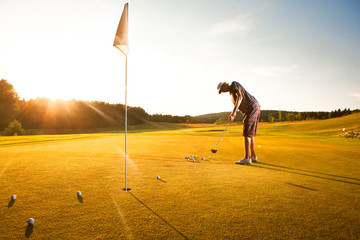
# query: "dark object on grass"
[[29, 230]]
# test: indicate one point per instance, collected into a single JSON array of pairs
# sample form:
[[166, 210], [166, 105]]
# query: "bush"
[[15, 128]]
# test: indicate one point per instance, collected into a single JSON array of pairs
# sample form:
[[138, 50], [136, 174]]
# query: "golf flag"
[[121, 38], [121, 42]]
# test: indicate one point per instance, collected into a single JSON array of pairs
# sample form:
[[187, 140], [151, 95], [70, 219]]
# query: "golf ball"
[[186, 157], [79, 193], [13, 197], [202, 158], [195, 156], [209, 157], [31, 221], [158, 177]]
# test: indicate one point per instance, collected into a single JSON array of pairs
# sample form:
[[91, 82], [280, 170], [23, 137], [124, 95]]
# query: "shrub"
[[15, 128]]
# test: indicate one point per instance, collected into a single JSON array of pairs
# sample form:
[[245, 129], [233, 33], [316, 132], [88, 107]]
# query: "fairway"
[[306, 184]]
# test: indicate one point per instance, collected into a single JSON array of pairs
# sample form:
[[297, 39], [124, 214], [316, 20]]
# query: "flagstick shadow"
[[304, 174], [307, 188], [331, 175], [162, 219]]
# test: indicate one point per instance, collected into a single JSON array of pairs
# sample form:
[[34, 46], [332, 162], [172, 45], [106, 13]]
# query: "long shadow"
[[29, 230], [307, 188], [180, 233], [215, 130], [331, 175], [11, 203], [162, 180], [80, 199], [305, 174]]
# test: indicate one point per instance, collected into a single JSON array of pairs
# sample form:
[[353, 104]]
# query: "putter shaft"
[[221, 136]]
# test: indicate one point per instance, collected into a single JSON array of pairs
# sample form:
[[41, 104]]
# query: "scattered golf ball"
[[209, 157], [195, 156], [79, 193], [186, 157], [31, 221], [203, 158], [343, 129], [158, 177], [13, 197]]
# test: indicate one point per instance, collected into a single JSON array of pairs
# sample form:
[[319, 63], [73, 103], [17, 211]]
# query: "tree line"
[[42, 113], [274, 116], [280, 116]]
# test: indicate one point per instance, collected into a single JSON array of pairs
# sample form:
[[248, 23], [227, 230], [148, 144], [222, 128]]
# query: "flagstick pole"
[[126, 123]]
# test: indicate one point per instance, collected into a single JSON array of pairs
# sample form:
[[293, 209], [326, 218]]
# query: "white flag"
[[121, 38]]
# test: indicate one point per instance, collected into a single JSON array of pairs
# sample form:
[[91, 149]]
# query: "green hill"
[[321, 129]]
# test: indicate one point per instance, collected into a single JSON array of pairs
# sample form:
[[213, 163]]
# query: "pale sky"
[[301, 55]]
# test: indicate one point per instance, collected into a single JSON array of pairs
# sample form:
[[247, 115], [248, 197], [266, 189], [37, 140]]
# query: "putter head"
[[213, 150]]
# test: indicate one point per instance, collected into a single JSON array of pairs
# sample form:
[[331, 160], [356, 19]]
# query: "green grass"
[[306, 185]]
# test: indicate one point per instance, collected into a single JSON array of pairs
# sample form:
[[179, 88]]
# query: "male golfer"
[[250, 108]]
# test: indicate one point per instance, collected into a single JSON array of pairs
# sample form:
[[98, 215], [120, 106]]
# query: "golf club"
[[215, 150]]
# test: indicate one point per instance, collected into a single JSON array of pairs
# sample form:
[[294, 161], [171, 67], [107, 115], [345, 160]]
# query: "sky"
[[294, 55]]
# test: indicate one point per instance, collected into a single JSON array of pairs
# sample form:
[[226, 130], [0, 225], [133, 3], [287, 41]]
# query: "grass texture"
[[306, 184]]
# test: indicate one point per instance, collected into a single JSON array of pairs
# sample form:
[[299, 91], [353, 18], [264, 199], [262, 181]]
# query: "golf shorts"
[[251, 122]]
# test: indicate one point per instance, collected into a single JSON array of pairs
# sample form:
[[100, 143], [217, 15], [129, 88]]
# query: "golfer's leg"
[[252, 146], [247, 147]]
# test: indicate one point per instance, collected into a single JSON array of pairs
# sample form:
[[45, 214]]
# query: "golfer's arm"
[[237, 103]]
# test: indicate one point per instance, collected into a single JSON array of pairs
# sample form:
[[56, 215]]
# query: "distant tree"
[[221, 121], [9, 103], [298, 117], [290, 117], [339, 113], [346, 111], [271, 118], [281, 118], [14, 128], [189, 119]]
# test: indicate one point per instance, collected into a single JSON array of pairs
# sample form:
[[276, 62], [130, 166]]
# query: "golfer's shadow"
[[11, 203], [29, 230], [304, 173], [80, 199], [307, 171], [180, 233]]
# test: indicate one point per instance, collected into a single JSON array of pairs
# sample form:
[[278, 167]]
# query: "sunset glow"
[[179, 51]]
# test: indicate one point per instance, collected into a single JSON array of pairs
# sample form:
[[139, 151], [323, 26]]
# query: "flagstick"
[[121, 43], [126, 189]]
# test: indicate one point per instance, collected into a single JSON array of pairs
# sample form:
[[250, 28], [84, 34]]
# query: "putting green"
[[305, 186]]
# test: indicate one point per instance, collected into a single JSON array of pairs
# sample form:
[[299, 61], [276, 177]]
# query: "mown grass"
[[305, 186]]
